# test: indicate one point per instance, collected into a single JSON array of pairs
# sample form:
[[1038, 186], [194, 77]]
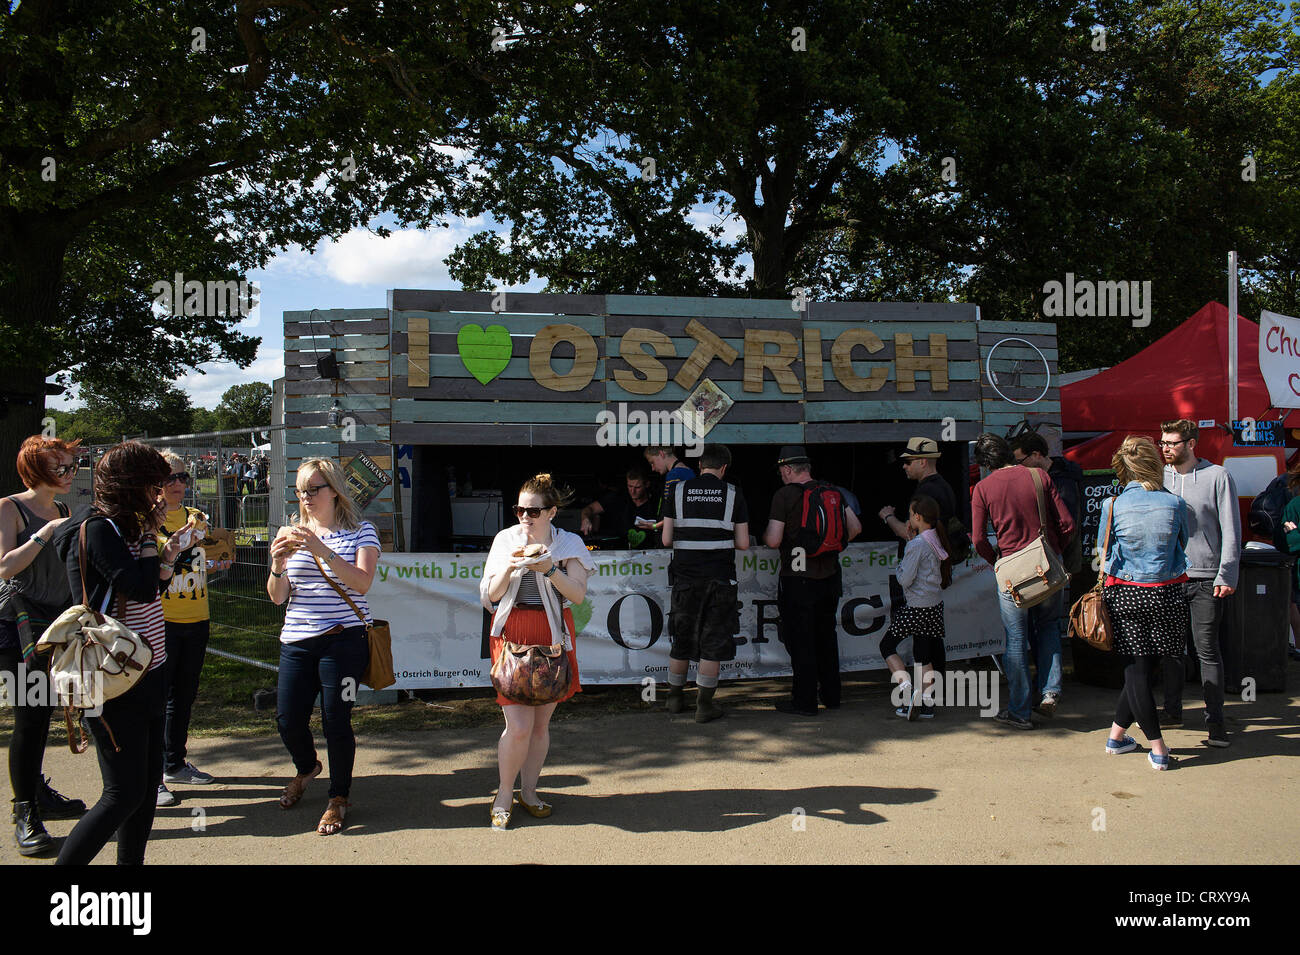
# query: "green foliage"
[[244, 406], [134, 404]]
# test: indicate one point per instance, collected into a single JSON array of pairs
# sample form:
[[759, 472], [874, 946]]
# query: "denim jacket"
[[1148, 537]]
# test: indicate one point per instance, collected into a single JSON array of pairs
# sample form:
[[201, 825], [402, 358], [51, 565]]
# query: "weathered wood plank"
[[512, 389], [311, 419], [1039, 341], [340, 387], [725, 327], [324, 403], [740, 412], [874, 410], [891, 311], [351, 371], [437, 300], [308, 435], [294, 454], [335, 314], [449, 323], [1017, 328], [521, 412], [350, 356], [503, 435], [699, 307], [839, 432], [370, 326], [1012, 351], [757, 434], [326, 342]]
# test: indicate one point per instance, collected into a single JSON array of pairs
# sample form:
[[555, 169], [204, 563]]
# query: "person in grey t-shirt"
[[1213, 556]]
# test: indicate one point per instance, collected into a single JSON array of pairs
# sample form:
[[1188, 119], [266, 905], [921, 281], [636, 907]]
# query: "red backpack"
[[821, 521]]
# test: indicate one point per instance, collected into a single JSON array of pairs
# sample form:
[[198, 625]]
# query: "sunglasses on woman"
[[533, 512], [183, 478], [65, 469]]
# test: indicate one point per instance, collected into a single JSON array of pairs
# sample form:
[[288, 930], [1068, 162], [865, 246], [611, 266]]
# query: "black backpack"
[[1265, 517]]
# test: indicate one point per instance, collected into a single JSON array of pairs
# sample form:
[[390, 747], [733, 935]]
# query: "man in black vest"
[[705, 522]]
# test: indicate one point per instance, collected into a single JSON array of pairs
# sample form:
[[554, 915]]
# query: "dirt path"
[[646, 787]]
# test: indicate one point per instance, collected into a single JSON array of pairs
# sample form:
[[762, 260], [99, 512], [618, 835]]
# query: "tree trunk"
[[29, 301]]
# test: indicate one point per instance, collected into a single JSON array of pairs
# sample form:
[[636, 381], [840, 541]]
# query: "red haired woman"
[[33, 592]]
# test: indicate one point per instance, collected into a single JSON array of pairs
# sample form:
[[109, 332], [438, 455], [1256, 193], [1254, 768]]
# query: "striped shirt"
[[145, 619], [315, 606]]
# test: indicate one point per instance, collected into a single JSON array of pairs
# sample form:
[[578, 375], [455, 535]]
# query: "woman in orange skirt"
[[533, 572]]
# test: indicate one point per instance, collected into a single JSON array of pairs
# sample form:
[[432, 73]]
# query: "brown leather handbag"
[[379, 670], [1089, 618], [532, 675]]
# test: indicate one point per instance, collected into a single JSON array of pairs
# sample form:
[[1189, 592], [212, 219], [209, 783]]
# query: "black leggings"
[[1136, 701], [31, 728], [131, 777]]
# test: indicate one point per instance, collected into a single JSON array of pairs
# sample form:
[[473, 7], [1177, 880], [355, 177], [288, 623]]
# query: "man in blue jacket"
[[1213, 556]]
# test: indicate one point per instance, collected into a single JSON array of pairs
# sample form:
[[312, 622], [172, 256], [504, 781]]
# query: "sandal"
[[335, 813], [297, 786], [500, 819]]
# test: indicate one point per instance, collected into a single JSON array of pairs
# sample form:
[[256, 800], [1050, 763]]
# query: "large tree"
[[141, 140], [245, 406], [133, 405], [896, 157]]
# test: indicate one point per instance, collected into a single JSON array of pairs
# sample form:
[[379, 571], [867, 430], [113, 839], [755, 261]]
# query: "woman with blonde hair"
[[323, 646], [529, 594], [1143, 530]]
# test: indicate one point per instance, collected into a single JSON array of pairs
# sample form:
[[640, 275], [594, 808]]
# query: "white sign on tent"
[[1279, 358]]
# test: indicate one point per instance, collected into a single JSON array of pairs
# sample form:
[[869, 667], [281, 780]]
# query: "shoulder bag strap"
[[1105, 542], [339, 590], [81, 561], [1038, 496]]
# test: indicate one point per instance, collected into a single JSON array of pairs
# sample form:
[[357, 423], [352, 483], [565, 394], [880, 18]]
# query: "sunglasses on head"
[[533, 512]]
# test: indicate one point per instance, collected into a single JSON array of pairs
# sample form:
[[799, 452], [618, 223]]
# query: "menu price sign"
[[365, 478], [1096, 487]]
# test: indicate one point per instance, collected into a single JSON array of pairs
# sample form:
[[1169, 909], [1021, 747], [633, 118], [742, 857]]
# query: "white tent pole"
[[1232, 338]]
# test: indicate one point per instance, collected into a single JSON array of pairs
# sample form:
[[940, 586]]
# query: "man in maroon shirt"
[[1007, 498]]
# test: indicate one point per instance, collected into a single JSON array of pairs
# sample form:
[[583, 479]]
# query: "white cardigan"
[[565, 545]]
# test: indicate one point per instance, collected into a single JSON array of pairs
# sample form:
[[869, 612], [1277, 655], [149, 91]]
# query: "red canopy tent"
[[1182, 375]]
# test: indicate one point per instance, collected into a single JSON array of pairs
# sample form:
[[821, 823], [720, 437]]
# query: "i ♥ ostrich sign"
[[1279, 358]]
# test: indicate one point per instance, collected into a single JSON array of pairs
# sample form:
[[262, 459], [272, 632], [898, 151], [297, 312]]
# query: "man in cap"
[[809, 588], [920, 464]]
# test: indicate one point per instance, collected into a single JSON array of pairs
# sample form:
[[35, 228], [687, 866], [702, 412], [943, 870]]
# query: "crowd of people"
[[1169, 548]]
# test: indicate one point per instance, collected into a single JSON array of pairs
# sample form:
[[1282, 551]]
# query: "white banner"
[[439, 626], [1279, 358]]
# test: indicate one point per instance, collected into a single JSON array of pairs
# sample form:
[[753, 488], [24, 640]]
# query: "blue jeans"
[[322, 665], [1043, 623]]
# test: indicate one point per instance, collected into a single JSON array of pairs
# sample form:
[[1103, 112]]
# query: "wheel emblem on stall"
[[1014, 374]]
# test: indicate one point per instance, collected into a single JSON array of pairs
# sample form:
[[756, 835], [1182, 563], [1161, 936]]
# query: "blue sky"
[[355, 271]]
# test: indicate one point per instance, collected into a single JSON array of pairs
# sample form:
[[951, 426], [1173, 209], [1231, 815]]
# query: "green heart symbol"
[[485, 352], [635, 537], [581, 615]]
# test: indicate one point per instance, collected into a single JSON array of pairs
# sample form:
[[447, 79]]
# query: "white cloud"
[[407, 258], [205, 390]]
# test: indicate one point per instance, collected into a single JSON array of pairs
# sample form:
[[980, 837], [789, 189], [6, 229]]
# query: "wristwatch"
[[331, 556], [554, 568], [280, 574], [40, 541]]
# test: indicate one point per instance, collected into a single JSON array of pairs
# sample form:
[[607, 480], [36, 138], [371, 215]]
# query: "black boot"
[[705, 709], [676, 698], [29, 831], [55, 805]]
